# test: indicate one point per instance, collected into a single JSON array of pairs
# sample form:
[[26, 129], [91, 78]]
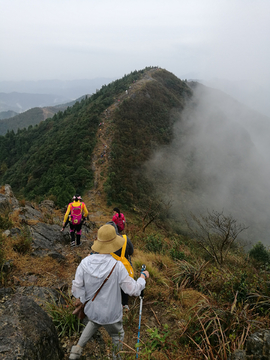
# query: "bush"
[[259, 253], [155, 244], [5, 223], [65, 322]]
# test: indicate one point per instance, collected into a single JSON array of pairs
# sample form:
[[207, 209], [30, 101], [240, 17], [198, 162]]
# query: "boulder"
[[258, 345], [47, 238], [7, 199], [29, 213], [26, 331]]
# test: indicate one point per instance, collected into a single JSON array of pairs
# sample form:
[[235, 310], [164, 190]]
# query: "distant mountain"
[[7, 114], [20, 102], [71, 89], [31, 117]]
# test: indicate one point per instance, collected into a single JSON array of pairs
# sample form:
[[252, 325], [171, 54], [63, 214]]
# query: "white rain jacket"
[[107, 306]]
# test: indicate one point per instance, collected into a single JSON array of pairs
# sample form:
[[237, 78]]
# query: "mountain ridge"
[[139, 143]]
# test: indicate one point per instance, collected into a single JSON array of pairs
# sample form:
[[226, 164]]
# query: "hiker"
[[119, 219], [126, 251], [75, 216], [103, 303]]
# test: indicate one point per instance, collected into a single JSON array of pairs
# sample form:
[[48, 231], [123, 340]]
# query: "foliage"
[[186, 274], [2, 257], [5, 222], [54, 157], [259, 253], [175, 252], [65, 322], [142, 124], [215, 233], [155, 243], [218, 332], [30, 117], [158, 340]]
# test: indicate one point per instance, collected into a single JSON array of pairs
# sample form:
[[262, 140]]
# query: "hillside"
[[140, 144], [31, 117], [6, 115], [36, 161]]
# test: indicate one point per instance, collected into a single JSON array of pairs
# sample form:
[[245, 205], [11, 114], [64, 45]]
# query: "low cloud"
[[218, 160]]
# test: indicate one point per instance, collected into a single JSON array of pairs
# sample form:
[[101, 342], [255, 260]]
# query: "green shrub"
[[5, 223], [65, 322], [259, 253], [155, 244], [176, 254]]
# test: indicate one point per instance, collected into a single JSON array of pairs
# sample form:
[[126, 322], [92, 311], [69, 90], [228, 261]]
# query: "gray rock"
[[47, 237], [7, 199], [29, 213], [6, 233], [55, 255], [258, 345], [26, 331], [239, 355], [15, 231]]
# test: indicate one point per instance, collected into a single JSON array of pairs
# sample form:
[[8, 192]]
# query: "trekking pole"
[[140, 315]]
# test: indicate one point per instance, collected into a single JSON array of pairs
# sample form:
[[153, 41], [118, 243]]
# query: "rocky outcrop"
[[257, 347], [7, 199], [26, 330], [47, 238]]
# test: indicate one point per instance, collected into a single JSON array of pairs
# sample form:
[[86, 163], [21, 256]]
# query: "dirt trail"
[[96, 199]]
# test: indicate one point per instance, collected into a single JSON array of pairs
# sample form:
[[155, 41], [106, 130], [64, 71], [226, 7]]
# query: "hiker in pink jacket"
[[119, 219]]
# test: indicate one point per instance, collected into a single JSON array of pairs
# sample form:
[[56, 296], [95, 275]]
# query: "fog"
[[218, 160]]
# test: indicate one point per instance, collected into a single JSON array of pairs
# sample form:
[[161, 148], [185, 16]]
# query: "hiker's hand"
[[78, 302], [146, 274], [62, 229]]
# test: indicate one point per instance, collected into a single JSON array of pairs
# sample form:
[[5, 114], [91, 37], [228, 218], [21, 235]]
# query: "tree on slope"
[[215, 233]]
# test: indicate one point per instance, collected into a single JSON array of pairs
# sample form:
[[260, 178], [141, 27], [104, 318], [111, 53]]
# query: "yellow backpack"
[[123, 259]]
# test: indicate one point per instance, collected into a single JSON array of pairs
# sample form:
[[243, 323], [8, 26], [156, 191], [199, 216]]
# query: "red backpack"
[[76, 214], [120, 223]]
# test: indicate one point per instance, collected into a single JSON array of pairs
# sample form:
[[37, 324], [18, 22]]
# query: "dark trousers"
[[75, 229], [125, 298]]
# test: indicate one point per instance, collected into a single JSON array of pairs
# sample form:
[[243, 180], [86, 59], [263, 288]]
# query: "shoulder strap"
[[124, 246], [98, 290], [118, 258]]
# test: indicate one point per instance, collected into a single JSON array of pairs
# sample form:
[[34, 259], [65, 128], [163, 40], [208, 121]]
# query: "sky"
[[86, 39]]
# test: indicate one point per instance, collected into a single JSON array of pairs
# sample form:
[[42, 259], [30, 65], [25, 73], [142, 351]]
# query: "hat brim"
[[107, 247]]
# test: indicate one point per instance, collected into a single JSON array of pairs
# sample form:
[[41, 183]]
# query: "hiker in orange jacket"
[[75, 215]]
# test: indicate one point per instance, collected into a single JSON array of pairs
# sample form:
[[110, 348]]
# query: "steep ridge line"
[[101, 155]]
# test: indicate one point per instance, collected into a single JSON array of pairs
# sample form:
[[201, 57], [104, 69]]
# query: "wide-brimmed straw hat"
[[107, 240]]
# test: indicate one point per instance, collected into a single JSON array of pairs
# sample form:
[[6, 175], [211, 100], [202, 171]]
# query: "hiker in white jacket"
[[104, 307]]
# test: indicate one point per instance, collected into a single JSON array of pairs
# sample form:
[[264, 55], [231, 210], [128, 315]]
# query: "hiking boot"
[[76, 352], [79, 244], [72, 243]]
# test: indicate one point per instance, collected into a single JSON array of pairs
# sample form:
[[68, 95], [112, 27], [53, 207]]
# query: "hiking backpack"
[[123, 259], [120, 223], [76, 214]]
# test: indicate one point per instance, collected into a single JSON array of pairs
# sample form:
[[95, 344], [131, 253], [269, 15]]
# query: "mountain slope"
[[145, 140], [54, 158]]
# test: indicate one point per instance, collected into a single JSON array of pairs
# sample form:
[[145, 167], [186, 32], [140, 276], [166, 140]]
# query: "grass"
[[209, 310], [61, 313]]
